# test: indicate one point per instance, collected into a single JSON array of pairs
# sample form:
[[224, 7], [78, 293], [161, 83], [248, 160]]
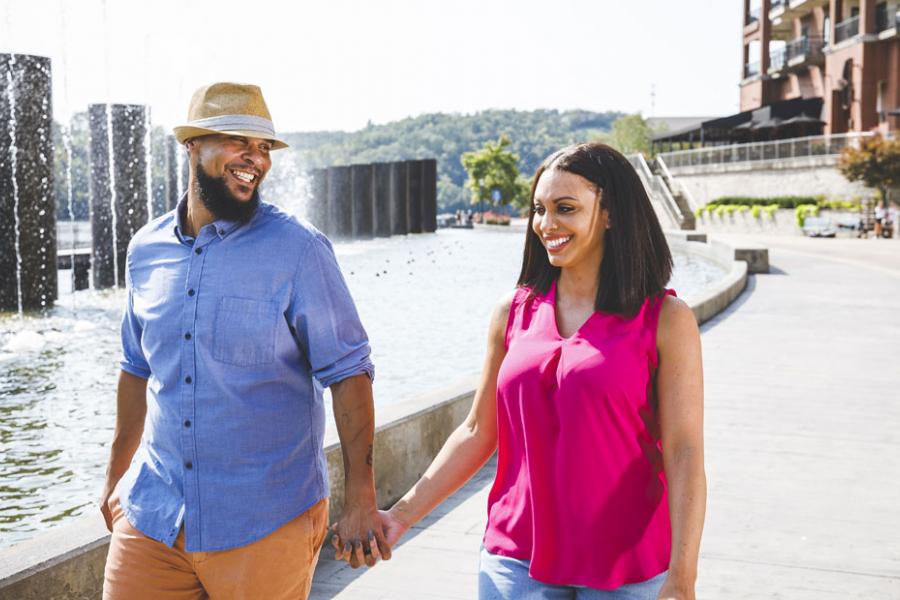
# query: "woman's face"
[[568, 219]]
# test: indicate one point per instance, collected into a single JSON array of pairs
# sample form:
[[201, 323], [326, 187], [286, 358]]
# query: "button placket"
[[189, 387]]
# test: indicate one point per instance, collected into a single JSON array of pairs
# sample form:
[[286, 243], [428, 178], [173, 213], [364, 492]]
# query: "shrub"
[[770, 209], [803, 211], [756, 211], [780, 201]]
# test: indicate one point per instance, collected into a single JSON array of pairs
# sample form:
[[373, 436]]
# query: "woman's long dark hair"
[[636, 262]]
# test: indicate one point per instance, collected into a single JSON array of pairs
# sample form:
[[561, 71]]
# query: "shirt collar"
[[223, 227]]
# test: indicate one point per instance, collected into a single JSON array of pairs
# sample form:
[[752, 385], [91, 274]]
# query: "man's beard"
[[219, 200]]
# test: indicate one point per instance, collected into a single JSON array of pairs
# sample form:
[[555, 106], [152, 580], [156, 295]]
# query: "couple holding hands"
[[238, 317]]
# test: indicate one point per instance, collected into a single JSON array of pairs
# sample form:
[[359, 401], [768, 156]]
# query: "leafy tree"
[[876, 163], [494, 169], [630, 134]]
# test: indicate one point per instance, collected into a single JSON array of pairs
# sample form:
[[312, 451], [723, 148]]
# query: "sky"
[[339, 64]]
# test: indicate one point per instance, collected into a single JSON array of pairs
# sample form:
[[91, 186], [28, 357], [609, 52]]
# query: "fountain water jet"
[[118, 187], [28, 276]]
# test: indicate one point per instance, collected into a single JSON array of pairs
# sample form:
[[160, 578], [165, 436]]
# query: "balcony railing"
[[808, 46], [777, 59], [886, 19], [817, 145], [751, 69], [846, 29]]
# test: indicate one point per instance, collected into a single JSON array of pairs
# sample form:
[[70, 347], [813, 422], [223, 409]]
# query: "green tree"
[[630, 134], [492, 169], [876, 163]]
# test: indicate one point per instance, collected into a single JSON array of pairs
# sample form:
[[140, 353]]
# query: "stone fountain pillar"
[[340, 202], [363, 201], [28, 277], [118, 194], [399, 203], [414, 192], [382, 207], [317, 200], [429, 195], [172, 148]]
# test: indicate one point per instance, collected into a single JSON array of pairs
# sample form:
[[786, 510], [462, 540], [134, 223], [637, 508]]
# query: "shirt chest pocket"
[[244, 332]]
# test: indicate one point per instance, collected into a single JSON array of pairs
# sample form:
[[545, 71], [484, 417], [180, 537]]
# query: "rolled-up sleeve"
[[133, 359], [324, 318]]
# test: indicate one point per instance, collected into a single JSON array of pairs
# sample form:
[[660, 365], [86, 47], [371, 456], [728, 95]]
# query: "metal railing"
[[815, 145], [777, 59], [751, 69], [808, 46], [674, 184], [846, 29], [886, 19], [657, 188]]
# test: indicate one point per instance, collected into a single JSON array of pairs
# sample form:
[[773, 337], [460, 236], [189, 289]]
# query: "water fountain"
[[118, 187], [374, 200], [399, 206], [362, 204], [28, 276]]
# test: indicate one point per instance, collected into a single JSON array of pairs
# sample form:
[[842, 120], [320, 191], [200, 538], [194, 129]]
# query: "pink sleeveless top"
[[580, 490]]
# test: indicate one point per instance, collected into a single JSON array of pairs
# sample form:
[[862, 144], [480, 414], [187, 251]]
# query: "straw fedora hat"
[[231, 108]]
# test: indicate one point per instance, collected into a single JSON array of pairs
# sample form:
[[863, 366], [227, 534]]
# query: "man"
[[237, 317]]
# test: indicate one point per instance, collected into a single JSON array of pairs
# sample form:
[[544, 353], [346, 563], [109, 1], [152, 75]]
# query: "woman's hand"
[[393, 527], [673, 589], [378, 548]]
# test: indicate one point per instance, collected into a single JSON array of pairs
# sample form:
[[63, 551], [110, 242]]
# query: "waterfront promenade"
[[803, 445]]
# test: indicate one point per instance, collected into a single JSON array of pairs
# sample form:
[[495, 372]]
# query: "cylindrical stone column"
[[118, 192], [414, 195], [317, 200], [399, 203], [28, 278], [382, 172], [363, 201], [340, 202], [429, 195], [172, 147]]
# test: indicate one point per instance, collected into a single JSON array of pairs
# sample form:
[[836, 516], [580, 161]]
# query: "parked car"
[[819, 227]]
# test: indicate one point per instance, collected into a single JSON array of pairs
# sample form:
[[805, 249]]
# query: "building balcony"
[[885, 19], [846, 29], [751, 70], [804, 50]]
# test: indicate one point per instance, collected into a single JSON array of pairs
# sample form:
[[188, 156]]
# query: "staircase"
[[670, 201]]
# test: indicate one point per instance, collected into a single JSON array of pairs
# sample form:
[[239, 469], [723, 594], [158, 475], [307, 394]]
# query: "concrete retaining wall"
[[67, 562], [806, 177]]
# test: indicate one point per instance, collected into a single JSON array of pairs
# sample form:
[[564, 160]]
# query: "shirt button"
[[188, 465], [187, 336], [221, 232], [198, 250], [188, 379], [187, 423], [191, 292]]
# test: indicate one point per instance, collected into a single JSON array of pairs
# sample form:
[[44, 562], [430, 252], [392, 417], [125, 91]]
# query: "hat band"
[[237, 123]]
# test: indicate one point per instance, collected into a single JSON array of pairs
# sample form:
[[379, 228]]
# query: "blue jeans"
[[503, 578]]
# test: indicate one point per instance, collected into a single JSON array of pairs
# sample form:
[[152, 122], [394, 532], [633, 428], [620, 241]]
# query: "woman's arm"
[[467, 448], [679, 388]]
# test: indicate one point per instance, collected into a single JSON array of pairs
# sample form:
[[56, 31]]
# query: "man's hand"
[[358, 536], [105, 509]]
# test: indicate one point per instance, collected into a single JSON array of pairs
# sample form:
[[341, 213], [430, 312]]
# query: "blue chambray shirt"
[[238, 331]]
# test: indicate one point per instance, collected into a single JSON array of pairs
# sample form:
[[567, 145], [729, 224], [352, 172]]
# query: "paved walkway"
[[803, 445]]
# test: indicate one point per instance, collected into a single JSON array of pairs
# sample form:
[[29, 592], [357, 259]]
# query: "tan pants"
[[279, 566]]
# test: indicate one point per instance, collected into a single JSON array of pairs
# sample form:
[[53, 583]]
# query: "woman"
[[592, 389]]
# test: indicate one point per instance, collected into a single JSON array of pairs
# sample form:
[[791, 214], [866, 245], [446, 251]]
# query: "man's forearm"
[[354, 415], [131, 408]]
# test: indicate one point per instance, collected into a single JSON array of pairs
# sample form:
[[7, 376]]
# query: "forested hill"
[[534, 135]]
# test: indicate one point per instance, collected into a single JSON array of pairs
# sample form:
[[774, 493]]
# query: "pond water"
[[425, 300]]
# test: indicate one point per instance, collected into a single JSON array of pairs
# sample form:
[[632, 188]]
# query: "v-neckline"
[[552, 295]]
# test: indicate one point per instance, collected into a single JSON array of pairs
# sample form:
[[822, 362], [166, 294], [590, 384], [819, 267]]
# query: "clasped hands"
[[365, 536]]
